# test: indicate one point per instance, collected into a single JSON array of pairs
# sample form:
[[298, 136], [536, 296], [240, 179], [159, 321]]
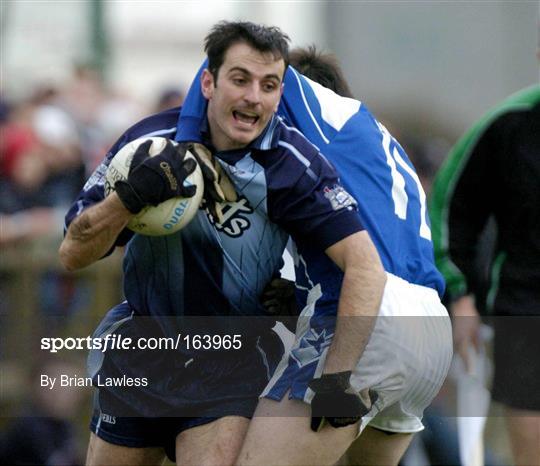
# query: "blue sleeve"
[[306, 199]]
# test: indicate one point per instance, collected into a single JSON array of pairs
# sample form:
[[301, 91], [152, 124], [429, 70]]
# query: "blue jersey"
[[209, 269], [374, 169]]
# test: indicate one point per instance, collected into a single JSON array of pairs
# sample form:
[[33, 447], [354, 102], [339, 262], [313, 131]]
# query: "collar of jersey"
[[267, 140]]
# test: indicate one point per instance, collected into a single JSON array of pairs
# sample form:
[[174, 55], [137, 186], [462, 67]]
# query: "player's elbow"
[[69, 260]]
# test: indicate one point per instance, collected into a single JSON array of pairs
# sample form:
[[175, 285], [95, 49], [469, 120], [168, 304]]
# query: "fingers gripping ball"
[[162, 193]]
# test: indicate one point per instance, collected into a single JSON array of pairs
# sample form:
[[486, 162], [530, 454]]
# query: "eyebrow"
[[245, 71]]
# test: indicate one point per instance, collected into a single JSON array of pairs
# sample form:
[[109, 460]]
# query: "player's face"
[[245, 96]]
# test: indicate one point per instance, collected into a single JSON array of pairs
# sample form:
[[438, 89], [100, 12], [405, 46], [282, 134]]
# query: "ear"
[[207, 84]]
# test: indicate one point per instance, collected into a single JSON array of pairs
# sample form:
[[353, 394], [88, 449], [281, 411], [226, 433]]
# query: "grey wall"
[[434, 66]]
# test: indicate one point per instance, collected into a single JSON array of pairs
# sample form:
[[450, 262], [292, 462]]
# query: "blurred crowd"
[[52, 139]]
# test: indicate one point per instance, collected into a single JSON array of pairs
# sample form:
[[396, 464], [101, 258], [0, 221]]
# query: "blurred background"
[[75, 74]]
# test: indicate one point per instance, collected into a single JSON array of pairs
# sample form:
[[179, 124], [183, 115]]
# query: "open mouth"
[[246, 118]]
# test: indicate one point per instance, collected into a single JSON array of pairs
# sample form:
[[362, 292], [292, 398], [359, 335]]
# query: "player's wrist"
[[128, 196], [331, 383]]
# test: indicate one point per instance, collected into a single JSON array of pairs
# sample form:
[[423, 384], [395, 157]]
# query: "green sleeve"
[[448, 177]]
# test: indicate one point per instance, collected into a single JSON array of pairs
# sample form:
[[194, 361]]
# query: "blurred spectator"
[[84, 94], [4, 111], [40, 170], [169, 98], [116, 113]]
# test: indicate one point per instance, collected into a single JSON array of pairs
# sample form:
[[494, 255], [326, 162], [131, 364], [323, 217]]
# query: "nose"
[[253, 94]]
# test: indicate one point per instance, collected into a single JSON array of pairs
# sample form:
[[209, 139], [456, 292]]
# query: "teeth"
[[250, 117]]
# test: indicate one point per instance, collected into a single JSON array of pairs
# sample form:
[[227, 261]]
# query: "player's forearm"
[[93, 233], [359, 304]]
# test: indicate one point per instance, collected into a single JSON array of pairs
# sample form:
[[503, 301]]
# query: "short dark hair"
[[320, 67], [262, 38]]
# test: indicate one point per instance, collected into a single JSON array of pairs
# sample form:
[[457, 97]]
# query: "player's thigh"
[[376, 448], [102, 453], [214, 444], [280, 434]]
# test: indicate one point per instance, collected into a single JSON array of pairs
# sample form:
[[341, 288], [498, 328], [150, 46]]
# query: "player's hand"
[[153, 180], [278, 298], [336, 402], [466, 327], [279, 301], [218, 188]]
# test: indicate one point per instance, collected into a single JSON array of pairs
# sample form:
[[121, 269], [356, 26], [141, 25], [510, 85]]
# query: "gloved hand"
[[336, 402], [279, 301], [153, 180], [278, 298], [218, 188]]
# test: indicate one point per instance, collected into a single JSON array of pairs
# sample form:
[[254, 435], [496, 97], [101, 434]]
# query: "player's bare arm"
[[93, 233], [361, 293], [360, 297]]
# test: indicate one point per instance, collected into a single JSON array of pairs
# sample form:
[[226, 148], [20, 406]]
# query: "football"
[[167, 217]]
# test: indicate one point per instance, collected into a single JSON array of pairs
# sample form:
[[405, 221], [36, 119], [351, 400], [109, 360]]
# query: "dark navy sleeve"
[[93, 192], [306, 198]]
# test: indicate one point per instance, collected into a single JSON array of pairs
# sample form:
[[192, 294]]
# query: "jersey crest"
[[338, 197]]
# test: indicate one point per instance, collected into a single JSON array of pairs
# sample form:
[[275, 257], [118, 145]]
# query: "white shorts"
[[405, 361]]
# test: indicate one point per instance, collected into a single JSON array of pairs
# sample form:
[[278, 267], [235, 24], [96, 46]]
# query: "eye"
[[239, 81], [269, 87]]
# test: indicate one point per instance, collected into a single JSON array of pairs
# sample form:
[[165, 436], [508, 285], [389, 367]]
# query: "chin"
[[243, 139]]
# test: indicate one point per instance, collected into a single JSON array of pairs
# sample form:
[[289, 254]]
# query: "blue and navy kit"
[[220, 270], [214, 270], [376, 171], [373, 168]]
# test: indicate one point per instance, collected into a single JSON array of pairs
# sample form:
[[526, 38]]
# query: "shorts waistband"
[[425, 290]]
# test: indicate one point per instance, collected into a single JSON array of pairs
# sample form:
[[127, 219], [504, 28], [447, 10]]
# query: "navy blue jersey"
[[209, 269], [374, 169]]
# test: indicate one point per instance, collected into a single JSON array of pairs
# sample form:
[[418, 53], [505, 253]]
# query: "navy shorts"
[[182, 391], [157, 432], [138, 432]]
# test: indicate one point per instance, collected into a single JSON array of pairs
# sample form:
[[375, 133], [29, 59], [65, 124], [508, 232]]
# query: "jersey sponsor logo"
[[234, 220], [338, 197]]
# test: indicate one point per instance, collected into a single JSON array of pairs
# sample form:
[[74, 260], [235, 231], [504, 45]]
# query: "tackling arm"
[[359, 302], [364, 279]]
